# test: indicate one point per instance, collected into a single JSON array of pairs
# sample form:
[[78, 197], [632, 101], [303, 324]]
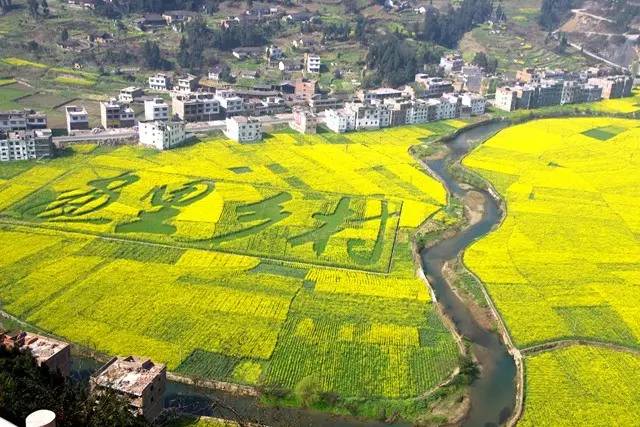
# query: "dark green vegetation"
[[25, 388], [604, 133]]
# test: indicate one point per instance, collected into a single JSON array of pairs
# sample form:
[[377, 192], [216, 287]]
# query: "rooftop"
[[42, 348], [130, 375]]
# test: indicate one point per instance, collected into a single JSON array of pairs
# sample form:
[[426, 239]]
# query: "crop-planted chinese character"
[[330, 224], [268, 212], [75, 203], [167, 205]]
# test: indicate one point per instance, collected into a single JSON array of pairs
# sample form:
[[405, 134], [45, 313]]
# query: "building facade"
[[54, 354], [114, 114], [140, 381], [161, 135], [304, 121], [160, 82], [31, 144], [22, 120], [129, 94], [156, 109], [312, 63], [196, 107], [77, 118], [244, 129]]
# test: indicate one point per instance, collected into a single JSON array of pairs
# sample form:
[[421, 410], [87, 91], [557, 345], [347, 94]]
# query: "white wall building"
[[475, 102], [156, 109], [77, 118], [129, 94], [187, 84], [160, 82], [304, 121], [230, 102], [312, 63], [161, 135], [244, 129], [26, 145]]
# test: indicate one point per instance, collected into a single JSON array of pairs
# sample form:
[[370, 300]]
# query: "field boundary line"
[[560, 344]]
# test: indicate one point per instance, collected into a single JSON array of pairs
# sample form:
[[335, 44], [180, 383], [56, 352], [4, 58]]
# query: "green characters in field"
[[70, 205], [331, 224], [268, 211], [166, 205], [357, 247]]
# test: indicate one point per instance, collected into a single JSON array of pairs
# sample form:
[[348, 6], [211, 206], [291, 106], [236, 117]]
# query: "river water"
[[492, 394]]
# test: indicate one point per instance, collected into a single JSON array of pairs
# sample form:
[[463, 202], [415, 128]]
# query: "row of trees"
[[553, 12], [447, 28]]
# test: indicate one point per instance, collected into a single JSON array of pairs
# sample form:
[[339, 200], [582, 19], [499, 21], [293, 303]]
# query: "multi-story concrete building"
[[468, 79], [244, 129], [304, 121], [452, 62], [312, 63], [114, 114], [22, 120], [140, 381], [161, 135], [475, 102], [434, 87], [614, 86], [156, 109], [305, 88], [187, 84], [379, 95], [30, 144], [196, 107], [574, 92], [129, 94], [320, 102], [230, 103], [54, 354], [449, 107], [77, 118], [160, 82], [547, 93], [339, 121]]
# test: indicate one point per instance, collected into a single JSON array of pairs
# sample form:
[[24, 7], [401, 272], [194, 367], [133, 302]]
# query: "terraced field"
[[264, 263], [564, 265]]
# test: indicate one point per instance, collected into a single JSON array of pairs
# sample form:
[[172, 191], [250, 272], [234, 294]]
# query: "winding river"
[[493, 393]]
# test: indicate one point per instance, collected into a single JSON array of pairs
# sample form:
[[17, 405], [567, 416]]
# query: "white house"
[[77, 118], [244, 129], [160, 82], [129, 94], [339, 121], [161, 135], [475, 102], [312, 63], [156, 109], [230, 103]]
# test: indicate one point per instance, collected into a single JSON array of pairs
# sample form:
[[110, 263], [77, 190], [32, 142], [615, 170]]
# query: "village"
[[174, 106]]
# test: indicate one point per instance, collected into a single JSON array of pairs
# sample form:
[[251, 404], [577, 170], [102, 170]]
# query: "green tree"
[[25, 387]]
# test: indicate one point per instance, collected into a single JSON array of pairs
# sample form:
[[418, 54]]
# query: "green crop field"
[[259, 264]]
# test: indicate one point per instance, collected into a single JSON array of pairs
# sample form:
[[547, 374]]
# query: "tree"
[[45, 8], [25, 387], [64, 35], [552, 12], [153, 57]]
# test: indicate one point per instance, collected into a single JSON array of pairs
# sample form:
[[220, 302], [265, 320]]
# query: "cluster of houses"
[[24, 136], [385, 107], [543, 88], [139, 381]]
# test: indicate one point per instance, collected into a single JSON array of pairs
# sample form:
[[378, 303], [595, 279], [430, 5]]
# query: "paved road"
[[128, 133]]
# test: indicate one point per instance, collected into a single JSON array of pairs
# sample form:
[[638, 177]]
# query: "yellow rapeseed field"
[[564, 264], [254, 263]]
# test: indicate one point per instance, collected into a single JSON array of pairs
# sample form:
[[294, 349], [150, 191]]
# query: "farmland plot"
[[263, 263]]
